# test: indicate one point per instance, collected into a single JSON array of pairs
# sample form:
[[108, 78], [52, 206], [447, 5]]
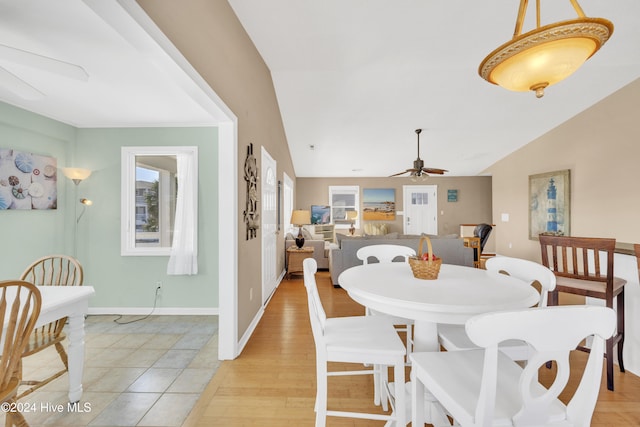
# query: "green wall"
[[120, 282], [29, 234]]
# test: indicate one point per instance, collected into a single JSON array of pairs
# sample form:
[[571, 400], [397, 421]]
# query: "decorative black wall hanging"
[[251, 214]]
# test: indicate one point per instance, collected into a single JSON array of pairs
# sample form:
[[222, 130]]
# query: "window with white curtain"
[[159, 190], [344, 198]]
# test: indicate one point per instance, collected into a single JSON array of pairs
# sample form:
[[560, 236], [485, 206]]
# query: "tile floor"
[[146, 373]]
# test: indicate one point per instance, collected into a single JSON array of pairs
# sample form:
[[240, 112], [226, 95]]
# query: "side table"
[[295, 257]]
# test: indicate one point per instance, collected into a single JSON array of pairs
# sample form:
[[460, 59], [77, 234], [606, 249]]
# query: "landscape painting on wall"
[[549, 204], [27, 181], [379, 204], [320, 214]]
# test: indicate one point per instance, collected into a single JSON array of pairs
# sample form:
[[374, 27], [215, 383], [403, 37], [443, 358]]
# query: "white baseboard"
[[249, 332], [165, 311], [252, 327]]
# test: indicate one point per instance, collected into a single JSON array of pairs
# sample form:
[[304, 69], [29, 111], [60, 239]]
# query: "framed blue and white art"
[[27, 181], [550, 204]]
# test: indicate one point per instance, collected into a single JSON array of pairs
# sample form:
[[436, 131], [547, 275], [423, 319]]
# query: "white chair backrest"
[[316, 311], [552, 332], [526, 270], [384, 253]]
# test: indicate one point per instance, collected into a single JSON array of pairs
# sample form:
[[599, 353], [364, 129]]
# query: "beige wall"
[[601, 148], [473, 205], [211, 38]]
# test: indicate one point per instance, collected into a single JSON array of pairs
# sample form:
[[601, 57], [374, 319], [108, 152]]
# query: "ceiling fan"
[[25, 90], [418, 168]]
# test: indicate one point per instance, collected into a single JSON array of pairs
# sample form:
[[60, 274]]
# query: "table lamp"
[[299, 218], [352, 216]]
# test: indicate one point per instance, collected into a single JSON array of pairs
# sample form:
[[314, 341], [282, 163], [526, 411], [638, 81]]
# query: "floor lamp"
[[77, 175]]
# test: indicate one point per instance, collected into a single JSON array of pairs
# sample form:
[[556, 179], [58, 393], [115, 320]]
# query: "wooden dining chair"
[[584, 266], [370, 340], [386, 254], [20, 304], [51, 270], [454, 337], [485, 387]]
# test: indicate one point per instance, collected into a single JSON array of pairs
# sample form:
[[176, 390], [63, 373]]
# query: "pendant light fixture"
[[546, 55]]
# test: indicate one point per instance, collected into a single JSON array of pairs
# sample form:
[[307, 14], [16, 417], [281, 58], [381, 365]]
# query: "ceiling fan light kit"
[[546, 55], [418, 169]]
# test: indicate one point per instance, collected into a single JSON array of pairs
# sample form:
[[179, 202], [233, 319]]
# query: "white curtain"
[[184, 248]]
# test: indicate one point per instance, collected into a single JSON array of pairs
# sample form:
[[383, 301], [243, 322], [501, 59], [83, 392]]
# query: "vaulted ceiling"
[[353, 78]]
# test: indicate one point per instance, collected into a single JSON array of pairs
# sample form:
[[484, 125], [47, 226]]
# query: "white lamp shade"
[[300, 217], [76, 173]]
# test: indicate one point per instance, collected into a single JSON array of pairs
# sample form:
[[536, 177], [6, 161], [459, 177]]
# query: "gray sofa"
[[450, 249]]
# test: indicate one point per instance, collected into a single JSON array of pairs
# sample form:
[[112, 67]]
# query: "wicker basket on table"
[[425, 269]]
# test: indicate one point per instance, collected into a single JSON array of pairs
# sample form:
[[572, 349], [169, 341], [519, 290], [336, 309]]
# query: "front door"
[[269, 225], [420, 209]]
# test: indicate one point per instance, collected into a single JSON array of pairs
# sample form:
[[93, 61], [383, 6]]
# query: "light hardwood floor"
[[272, 383]]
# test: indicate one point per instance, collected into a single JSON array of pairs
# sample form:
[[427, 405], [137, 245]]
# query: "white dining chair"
[[368, 340], [454, 337], [484, 387], [386, 254]]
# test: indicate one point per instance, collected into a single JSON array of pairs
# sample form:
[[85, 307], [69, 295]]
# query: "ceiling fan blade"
[[435, 171], [33, 60], [402, 173], [18, 86]]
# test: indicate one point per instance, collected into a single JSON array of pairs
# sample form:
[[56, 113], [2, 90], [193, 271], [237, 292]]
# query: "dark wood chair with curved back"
[[578, 271], [483, 231], [51, 270]]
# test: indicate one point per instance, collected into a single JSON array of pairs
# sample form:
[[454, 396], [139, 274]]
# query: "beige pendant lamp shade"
[[546, 55]]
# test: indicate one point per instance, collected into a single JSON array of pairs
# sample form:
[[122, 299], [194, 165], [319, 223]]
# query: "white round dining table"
[[456, 295]]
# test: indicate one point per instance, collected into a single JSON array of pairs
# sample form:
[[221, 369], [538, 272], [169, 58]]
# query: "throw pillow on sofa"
[[306, 234], [375, 229]]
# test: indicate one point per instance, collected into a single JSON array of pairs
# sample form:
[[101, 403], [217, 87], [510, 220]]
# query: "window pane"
[[155, 200], [149, 188], [341, 199]]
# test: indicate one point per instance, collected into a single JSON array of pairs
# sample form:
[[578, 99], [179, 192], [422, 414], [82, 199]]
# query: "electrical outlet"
[[158, 287], [250, 294]]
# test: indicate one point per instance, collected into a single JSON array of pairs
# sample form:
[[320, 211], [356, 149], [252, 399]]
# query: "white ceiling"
[[354, 78], [132, 80]]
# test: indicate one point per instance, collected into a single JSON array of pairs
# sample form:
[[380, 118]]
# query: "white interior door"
[[269, 225], [420, 209]]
